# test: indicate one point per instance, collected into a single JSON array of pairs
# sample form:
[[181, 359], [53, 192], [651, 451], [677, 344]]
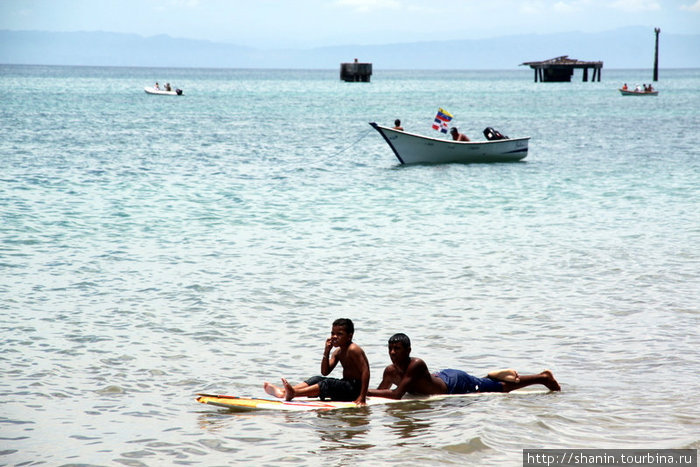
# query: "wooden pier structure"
[[560, 69], [355, 72]]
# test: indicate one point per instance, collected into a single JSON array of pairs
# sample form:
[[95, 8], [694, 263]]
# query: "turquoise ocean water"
[[155, 247]]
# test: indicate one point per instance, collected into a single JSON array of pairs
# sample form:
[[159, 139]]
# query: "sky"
[[267, 24]]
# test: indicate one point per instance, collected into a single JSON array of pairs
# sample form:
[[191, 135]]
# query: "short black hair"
[[397, 122], [454, 130], [346, 323], [400, 338]]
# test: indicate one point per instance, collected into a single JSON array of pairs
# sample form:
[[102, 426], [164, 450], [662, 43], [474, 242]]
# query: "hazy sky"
[[312, 23]]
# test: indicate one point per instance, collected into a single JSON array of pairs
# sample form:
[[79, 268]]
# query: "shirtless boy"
[[410, 374], [355, 382]]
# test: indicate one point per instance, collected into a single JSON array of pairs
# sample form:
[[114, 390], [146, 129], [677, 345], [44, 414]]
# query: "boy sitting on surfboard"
[[355, 382], [410, 374]]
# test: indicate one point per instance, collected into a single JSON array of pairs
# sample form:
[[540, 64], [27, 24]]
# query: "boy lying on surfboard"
[[355, 382], [410, 374]]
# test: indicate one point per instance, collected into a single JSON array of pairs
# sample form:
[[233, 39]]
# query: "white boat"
[[410, 148], [627, 92], [162, 92]]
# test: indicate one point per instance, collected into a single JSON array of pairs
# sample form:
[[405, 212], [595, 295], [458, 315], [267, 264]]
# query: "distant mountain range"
[[621, 48]]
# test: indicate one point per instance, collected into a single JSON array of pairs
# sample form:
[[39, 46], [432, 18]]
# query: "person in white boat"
[[457, 136], [397, 125], [167, 87], [156, 87], [410, 374]]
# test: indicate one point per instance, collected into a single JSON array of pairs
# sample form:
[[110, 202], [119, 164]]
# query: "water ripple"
[[153, 249]]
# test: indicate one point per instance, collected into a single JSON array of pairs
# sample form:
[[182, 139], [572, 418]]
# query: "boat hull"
[[638, 93], [410, 148], [161, 92]]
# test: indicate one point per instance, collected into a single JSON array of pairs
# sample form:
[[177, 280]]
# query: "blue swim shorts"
[[461, 382], [336, 389]]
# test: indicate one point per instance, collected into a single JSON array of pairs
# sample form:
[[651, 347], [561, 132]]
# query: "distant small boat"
[[627, 92], [162, 92], [410, 148]]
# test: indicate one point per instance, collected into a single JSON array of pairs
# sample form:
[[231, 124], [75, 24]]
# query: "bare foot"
[[551, 383], [273, 390], [289, 390]]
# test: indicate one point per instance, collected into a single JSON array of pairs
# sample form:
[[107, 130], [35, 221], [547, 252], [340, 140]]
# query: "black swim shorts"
[[336, 389]]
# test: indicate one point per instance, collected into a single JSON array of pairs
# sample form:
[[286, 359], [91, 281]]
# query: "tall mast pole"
[[656, 55]]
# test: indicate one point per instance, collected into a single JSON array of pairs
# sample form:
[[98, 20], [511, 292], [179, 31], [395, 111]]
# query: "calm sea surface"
[[155, 247]]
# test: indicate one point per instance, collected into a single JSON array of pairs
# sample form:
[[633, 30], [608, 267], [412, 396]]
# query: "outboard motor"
[[492, 134], [178, 92]]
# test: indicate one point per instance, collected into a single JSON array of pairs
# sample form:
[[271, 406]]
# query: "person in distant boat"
[[167, 87], [397, 125], [638, 89], [457, 136], [624, 87], [156, 86], [355, 382], [410, 374]]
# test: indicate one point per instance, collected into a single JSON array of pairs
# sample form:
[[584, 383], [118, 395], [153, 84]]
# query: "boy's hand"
[[361, 402], [329, 344]]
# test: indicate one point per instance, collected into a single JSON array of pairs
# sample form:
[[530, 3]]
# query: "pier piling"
[[355, 72], [656, 55]]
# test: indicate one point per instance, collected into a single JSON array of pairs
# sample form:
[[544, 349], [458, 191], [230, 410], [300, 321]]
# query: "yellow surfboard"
[[302, 403]]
